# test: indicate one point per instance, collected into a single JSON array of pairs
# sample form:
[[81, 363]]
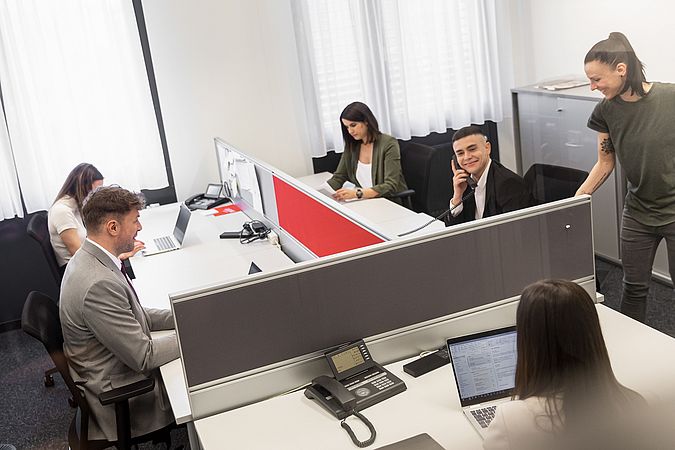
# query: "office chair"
[[549, 183], [428, 172], [37, 229], [404, 196], [40, 319]]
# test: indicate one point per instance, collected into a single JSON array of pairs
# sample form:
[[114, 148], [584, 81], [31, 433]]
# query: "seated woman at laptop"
[[371, 160], [565, 395], [66, 228]]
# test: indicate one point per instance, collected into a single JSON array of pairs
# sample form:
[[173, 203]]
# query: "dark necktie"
[[126, 277]]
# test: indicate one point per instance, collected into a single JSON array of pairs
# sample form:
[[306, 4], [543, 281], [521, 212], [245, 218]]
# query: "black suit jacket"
[[504, 191]]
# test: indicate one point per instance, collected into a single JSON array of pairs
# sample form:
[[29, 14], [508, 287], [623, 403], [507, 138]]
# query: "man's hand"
[[138, 246], [459, 183]]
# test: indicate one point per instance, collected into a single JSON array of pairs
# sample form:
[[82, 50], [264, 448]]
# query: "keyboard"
[[484, 415], [164, 243]]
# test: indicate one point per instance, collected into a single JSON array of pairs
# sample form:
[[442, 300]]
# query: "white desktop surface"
[[640, 358], [204, 259], [386, 215]]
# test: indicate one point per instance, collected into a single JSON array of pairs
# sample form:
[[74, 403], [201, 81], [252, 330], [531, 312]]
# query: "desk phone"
[[359, 382]]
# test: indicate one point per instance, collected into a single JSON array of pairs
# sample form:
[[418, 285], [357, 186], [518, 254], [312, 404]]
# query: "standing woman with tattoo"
[[636, 123]]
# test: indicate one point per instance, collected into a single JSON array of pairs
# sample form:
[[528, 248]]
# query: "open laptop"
[[484, 365], [167, 243]]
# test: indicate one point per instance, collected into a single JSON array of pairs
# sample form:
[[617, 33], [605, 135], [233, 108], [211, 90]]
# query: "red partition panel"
[[315, 225]]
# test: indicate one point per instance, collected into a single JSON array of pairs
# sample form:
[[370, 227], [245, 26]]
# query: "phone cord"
[[348, 429], [441, 216]]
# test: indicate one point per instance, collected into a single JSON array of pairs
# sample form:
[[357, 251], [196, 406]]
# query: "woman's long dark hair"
[[562, 355], [358, 112], [614, 50], [78, 183]]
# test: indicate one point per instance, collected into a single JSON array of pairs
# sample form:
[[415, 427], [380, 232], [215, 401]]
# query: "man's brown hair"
[[109, 202]]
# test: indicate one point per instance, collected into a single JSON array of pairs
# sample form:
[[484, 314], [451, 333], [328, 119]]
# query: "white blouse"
[[364, 175]]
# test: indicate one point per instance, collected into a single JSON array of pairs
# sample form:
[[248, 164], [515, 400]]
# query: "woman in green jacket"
[[371, 160]]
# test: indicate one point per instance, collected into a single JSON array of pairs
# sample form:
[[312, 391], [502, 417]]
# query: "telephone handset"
[[472, 185], [212, 197], [359, 382], [469, 180]]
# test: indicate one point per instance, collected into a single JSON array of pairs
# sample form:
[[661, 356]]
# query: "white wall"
[[562, 33], [227, 68]]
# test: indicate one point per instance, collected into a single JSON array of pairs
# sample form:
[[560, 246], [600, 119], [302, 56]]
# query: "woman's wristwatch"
[[359, 193]]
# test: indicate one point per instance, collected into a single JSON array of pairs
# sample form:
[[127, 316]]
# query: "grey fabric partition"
[[250, 325]]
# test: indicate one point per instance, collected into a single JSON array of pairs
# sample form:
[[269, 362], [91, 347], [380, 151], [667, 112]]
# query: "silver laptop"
[[484, 365], [171, 242]]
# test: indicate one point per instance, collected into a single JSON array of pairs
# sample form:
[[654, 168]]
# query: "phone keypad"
[[383, 383]]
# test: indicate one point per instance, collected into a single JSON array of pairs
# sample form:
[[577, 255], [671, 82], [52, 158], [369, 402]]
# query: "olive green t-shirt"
[[643, 135]]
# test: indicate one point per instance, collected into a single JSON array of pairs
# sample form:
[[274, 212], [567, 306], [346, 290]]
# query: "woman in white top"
[[66, 228], [565, 395]]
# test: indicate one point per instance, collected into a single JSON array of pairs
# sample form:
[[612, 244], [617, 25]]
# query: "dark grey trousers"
[[638, 247]]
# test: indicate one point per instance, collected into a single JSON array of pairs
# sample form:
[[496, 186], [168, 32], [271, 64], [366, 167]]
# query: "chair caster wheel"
[[49, 380]]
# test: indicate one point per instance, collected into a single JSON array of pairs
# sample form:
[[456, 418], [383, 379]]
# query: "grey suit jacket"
[[106, 336]]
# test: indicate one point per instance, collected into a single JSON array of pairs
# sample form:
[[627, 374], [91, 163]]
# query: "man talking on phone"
[[496, 189]]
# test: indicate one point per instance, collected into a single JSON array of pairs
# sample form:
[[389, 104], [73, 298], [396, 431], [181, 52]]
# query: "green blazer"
[[386, 166]]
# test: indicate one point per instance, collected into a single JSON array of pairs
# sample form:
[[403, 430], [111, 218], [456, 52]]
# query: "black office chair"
[[37, 229], [427, 170], [549, 183], [40, 319]]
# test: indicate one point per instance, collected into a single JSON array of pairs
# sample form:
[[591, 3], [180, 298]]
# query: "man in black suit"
[[497, 190]]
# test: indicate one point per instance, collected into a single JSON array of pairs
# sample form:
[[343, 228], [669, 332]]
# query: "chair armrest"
[[402, 194], [124, 393]]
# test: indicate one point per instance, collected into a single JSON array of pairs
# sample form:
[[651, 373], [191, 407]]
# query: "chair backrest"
[[40, 319], [427, 170], [38, 229], [549, 183]]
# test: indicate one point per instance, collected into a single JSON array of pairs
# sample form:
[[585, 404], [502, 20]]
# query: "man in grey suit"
[[105, 329]]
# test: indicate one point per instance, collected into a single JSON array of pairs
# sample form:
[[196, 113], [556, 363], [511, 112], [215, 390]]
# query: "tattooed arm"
[[603, 168]]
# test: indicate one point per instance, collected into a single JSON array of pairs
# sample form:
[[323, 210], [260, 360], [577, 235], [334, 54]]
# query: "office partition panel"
[[308, 225], [252, 326], [320, 229]]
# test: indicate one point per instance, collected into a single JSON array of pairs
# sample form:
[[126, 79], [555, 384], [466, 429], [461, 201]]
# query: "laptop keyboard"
[[484, 415], [164, 243]]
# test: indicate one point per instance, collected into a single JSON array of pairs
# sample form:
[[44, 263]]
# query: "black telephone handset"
[[338, 400], [359, 382], [469, 180], [211, 198]]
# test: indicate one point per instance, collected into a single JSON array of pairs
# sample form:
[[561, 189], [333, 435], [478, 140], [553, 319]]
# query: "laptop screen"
[[484, 365], [181, 224]]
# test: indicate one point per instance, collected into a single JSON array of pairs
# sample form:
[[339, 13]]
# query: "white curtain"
[[76, 90], [421, 65], [10, 199]]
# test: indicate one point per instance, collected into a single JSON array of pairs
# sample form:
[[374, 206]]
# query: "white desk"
[[386, 215], [641, 358], [204, 259]]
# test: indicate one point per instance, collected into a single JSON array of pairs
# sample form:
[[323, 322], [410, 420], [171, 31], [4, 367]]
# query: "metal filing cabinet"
[[550, 128]]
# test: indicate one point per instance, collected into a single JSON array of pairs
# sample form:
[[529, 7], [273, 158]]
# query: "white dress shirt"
[[115, 259], [479, 195]]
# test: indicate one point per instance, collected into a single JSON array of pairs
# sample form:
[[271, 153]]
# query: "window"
[[75, 90], [422, 66]]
